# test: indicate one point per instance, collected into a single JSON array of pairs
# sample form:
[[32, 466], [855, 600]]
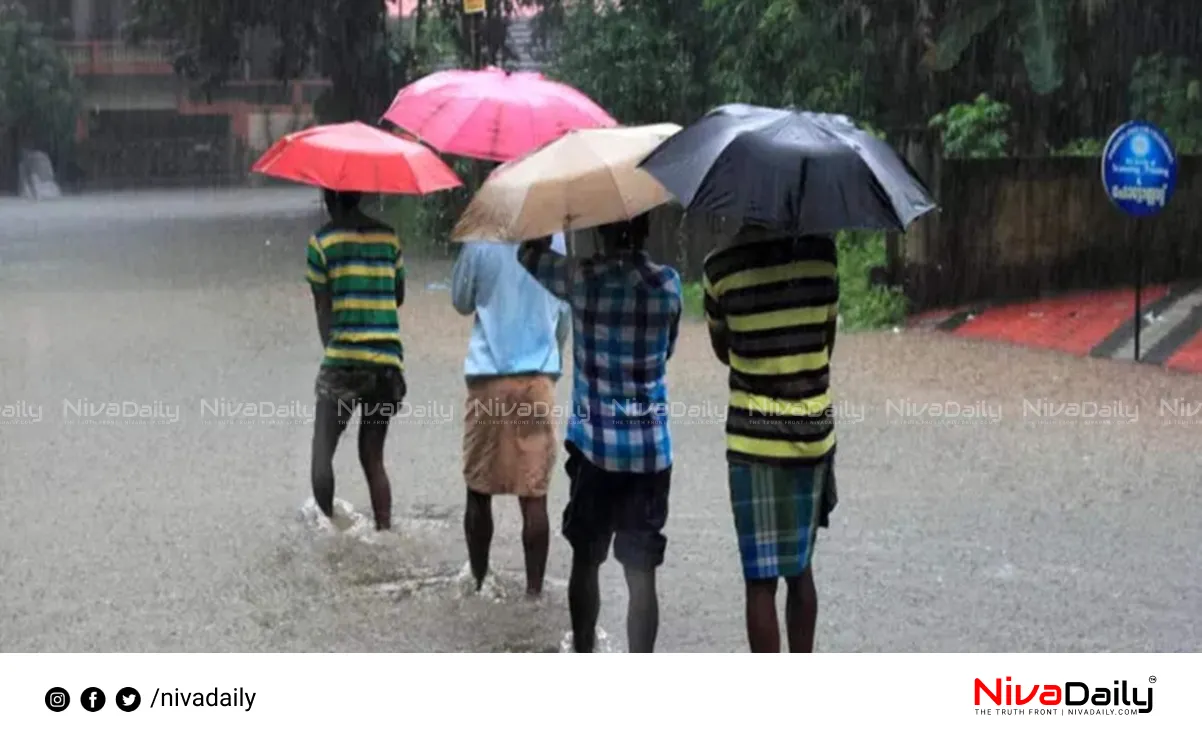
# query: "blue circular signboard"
[[1139, 168]]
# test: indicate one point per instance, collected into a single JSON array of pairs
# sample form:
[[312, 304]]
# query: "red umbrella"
[[356, 157], [491, 114]]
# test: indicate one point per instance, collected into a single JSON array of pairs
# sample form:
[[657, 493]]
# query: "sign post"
[[1139, 173], [474, 15], [472, 12]]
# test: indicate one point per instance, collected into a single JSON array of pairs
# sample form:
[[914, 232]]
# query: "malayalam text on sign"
[[1139, 169]]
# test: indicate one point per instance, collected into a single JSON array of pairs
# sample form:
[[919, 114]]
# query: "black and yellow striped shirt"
[[769, 302]]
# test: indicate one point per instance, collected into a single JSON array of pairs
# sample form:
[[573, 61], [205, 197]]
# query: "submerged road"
[[993, 498]]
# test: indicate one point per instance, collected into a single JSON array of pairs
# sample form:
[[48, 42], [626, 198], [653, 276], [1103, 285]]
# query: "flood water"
[[180, 521]]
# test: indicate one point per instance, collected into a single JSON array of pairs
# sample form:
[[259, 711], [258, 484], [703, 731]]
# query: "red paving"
[[1188, 358], [1072, 324]]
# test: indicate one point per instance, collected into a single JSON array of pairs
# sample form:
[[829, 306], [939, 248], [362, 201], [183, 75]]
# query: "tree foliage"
[[767, 54], [657, 60], [1168, 92], [38, 94], [1062, 66], [622, 59], [974, 130], [39, 99], [1039, 29]]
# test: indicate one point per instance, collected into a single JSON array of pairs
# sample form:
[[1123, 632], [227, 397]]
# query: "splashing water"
[[604, 642], [409, 566], [346, 521], [491, 590]]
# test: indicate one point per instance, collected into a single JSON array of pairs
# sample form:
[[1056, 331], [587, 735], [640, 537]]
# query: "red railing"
[[118, 58]]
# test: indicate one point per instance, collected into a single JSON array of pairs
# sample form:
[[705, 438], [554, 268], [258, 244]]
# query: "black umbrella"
[[795, 170]]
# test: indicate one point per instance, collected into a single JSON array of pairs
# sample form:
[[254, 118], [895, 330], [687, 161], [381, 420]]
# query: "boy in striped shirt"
[[357, 275], [771, 301]]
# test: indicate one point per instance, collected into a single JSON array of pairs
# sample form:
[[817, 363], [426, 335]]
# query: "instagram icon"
[[57, 699]]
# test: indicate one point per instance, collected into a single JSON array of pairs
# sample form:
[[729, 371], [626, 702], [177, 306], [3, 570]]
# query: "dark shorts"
[[629, 509], [375, 390]]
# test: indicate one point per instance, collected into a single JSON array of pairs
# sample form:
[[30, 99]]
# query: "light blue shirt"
[[520, 327]]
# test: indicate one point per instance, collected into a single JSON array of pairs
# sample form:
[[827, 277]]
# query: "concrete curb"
[[1125, 334]]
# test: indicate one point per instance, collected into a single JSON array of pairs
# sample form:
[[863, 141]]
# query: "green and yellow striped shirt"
[[770, 301], [361, 267]]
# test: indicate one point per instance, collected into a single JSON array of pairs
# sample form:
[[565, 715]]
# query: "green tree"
[[38, 95], [623, 58], [766, 54], [1039, 29], [1167, 93], [974, 130]]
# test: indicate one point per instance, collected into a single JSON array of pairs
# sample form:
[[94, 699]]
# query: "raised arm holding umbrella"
[[357, 274], [618, 440], [515, 354], [791, 179]]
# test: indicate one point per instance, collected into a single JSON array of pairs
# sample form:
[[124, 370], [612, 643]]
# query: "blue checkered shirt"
[[625, 321]]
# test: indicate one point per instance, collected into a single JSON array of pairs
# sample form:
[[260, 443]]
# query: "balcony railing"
[[261, 93], [118, 58]]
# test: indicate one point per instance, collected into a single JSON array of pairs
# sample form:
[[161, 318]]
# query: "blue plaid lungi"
[[777, 513]]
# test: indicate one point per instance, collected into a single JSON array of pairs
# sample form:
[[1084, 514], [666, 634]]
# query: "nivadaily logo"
[[1072, 698]]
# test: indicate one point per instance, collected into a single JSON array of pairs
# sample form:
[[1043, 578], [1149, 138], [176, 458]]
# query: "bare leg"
[[642, 613], [763, 629], [536, 542], [801, 612], [327, 429], [477, 531], [373, 431], [584, 601]]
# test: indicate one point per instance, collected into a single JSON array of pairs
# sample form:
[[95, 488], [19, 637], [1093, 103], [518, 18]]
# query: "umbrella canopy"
[[795, 170], [491, 114], [585, 178], [356, 157]]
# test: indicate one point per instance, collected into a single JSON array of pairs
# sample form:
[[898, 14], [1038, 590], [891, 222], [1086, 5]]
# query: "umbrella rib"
[[494, 146], [617, 189], [879, 187]]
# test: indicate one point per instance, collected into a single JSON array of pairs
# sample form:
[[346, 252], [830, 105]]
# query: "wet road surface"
[[177, 522]]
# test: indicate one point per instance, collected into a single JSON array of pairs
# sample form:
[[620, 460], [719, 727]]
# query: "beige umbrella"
[[586, 178]]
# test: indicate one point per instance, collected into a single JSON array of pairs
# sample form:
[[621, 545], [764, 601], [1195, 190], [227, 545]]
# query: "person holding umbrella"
[[771, 304], [791, 179], [356, 271], [514, 358], [626, 315]]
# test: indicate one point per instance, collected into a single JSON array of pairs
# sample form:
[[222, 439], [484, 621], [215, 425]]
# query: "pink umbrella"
[[491, 114]]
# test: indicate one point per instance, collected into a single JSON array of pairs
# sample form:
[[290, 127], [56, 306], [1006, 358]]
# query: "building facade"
[[141, 124]]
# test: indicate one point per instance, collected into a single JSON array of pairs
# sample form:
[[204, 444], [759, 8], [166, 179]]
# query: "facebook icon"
[[92, 699]]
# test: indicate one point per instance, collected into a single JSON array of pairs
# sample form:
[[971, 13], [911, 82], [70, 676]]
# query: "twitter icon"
[[128, 699]]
